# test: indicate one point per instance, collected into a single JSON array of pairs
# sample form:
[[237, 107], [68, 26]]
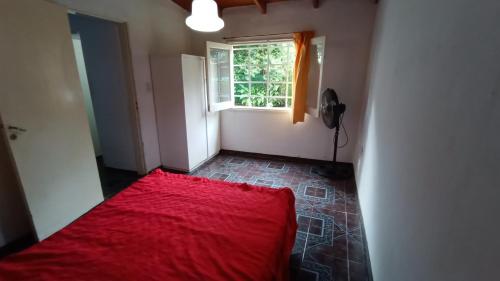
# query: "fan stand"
[[336, 170]]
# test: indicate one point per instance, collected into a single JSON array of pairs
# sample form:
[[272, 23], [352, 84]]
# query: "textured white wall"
[[428, 159], [348, 26], [155, 27]]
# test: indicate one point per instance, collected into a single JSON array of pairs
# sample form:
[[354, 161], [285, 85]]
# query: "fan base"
[[336, 171]]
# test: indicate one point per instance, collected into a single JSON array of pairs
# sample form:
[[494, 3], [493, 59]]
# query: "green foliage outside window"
[[263, 74]]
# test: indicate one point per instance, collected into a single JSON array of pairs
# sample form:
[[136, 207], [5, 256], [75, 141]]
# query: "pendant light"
[[204, 16]]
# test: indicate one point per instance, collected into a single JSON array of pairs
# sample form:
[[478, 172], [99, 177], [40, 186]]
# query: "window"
[[263, 74], [220, 87], [259, 75]]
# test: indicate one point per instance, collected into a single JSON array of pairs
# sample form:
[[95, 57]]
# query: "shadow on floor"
[[114, 180]]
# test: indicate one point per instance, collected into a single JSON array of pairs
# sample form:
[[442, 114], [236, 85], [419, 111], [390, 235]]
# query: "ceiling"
[[261, 5]]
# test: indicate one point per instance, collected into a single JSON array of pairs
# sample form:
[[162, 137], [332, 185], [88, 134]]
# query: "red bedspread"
[[170, 227]]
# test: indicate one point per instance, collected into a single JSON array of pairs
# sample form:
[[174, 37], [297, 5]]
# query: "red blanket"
[[170, 227]]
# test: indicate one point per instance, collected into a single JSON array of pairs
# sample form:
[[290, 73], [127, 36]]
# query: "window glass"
[[263, 74], [221, 74]]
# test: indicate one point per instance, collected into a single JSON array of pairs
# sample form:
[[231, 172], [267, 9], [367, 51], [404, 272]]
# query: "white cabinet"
[[188, 133]]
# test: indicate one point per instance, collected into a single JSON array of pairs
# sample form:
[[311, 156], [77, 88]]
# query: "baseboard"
[[365, 242], [253, 155], [367, 252], [173, 170], [17, 245], [194, 169], [100, 162], [150, 170], [278, 157]]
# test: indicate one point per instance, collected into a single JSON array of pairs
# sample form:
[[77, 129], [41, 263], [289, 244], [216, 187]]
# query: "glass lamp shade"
[[204, 16]]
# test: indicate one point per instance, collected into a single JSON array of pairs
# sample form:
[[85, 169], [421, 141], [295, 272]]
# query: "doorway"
[[104, 69]]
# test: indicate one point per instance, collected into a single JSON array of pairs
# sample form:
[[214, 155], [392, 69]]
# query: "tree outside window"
[[263, 74]]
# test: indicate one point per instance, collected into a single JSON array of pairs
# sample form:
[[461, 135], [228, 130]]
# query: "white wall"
[[428, 159], [348, 25], [14, 218], [155, 26]]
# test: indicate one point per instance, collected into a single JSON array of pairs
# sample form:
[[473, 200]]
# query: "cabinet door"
[[195, 108], [213, 124], [168, 91]]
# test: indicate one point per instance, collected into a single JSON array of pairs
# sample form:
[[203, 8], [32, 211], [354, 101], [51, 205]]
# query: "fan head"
[[331, 108]]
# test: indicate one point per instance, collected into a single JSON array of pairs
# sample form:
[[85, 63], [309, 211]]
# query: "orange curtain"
[[300, 74]]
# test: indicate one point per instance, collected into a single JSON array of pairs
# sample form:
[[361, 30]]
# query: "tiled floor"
[[329, 244], [113, 180]]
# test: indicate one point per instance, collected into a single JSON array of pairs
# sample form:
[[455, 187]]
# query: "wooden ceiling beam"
[[186, 4], [225, 4], [262, 5]]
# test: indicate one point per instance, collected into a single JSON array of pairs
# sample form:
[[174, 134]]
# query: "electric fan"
[[332, 112]]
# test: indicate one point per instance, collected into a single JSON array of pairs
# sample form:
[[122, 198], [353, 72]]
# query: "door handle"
[[17, 129]]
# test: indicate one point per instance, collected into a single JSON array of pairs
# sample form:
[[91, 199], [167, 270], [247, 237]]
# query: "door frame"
[[130, 85], [132, 94]]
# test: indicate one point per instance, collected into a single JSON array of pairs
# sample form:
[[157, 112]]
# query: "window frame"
[[321, 42], [213, 104], [289, 76]]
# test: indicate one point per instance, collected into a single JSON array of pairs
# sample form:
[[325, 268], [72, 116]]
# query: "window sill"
[[263, 109]]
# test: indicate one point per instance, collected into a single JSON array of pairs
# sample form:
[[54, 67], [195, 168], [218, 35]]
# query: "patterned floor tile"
[[307, 275], [354, 224], [219, 176], [267, 183], [275, 165], [237, 161], [358, 271], [329, 244], [356, 249]]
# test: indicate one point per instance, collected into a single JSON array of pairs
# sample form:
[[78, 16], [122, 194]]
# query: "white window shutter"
[[220, 76], [315, 86]]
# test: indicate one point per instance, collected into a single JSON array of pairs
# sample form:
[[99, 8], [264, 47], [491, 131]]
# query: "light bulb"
[[204, 16]]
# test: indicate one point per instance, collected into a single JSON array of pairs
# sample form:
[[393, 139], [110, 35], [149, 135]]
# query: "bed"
[[170, 227]]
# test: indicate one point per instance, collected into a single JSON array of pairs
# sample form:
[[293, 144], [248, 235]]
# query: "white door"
[[41, 105]]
